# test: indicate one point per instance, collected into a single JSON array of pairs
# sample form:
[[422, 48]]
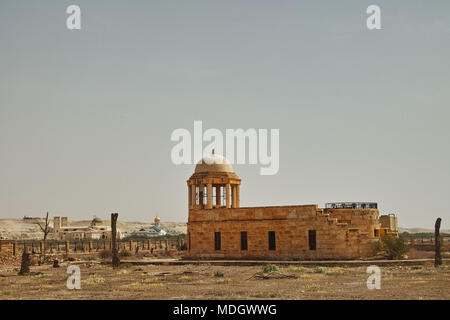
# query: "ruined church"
[[219, 228]]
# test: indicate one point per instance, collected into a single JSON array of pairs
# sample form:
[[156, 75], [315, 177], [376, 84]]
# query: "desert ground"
[[101, 281], [136, 280]]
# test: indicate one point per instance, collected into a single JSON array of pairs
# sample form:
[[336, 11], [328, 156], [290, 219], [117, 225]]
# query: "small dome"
[[157, 219], [213, 163]]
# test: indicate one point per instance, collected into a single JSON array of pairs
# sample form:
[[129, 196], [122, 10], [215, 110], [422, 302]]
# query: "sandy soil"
[[219, 282]]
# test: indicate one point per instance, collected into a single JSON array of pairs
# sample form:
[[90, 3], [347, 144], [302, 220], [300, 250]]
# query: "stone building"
[[156, 230], [95, 230], [219, 228]]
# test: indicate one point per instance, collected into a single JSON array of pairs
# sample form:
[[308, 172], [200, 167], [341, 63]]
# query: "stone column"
[[218, 199], [193, 195], [228, 195], [238, 197], [233, 195], [189, 196], [201, 190], [209, 195], [67, 247]]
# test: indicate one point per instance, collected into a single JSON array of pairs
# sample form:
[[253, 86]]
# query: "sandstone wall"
[[334, 240]]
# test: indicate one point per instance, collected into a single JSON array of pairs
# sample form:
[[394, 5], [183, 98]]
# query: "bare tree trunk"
[[437, 237], [115, 254], [25, 264], [46, 230]]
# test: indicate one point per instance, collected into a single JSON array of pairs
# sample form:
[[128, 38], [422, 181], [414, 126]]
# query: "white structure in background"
[[95, 231], [154, 231]]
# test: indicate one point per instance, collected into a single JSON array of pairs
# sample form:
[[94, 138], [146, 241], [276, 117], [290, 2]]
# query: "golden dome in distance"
[[213, 163], [157, 219]]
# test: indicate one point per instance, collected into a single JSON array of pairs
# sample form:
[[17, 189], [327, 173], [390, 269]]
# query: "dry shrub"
[[34, 261], [125, 253], [106, 253], [393, 247], [270, 268], [172, 254]]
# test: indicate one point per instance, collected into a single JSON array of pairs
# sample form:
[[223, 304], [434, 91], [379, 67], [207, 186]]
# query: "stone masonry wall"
[[340, 233]]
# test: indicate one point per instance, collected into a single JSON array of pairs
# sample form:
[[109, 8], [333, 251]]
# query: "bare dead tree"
[[46, 227], [437, 243], [115, 253]]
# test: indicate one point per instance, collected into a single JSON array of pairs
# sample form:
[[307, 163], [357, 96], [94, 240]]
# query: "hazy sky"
[[86, 115]]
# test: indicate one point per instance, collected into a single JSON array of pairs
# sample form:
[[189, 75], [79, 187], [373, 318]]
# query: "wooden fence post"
[[115, 254], [437, 248]]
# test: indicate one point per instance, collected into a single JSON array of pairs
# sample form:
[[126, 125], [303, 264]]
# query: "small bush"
[[223, 281], [218, 274], [125, 253], [270, 268], [320, 270], [126, 265], [334, 271], [94, 280], [394, 247], [297, 269], [424, 271], [106, 253], [186, 278]]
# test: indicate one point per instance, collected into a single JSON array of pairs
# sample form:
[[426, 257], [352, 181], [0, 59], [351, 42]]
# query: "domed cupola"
[[214, 184]]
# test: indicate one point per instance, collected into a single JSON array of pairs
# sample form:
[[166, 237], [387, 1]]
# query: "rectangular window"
[[312, 239], [214, 196], [223, 196], [244, 240], [205, 195], [217, 240], [272, 245], [376, 233]]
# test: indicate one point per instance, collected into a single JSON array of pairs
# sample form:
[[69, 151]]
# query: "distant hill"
[[28, 229], [421, 230]]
